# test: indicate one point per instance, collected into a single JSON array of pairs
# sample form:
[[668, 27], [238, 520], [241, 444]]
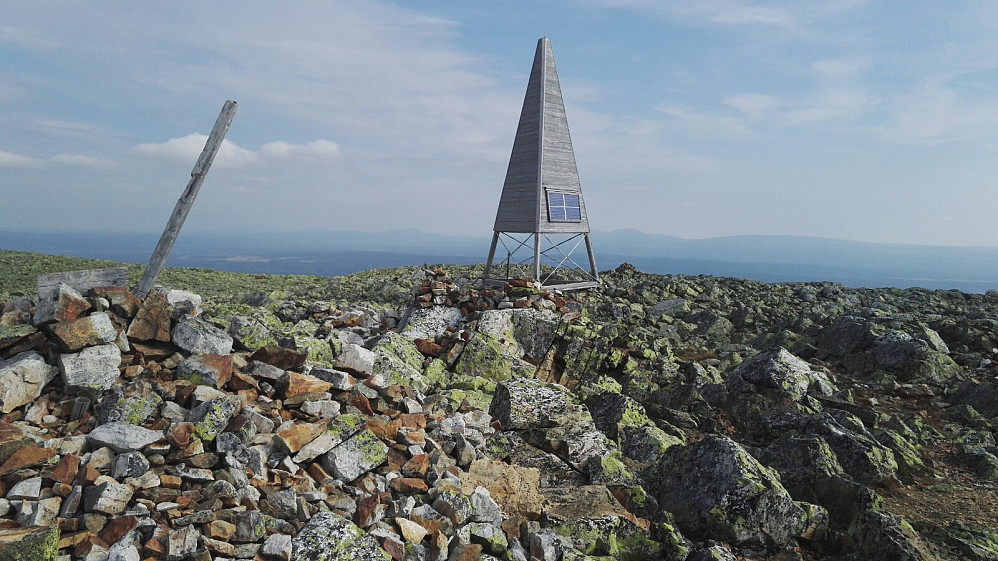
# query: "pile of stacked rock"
[[138, 430]]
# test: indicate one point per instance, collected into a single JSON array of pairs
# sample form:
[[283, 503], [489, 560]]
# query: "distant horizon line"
[[486, 235]]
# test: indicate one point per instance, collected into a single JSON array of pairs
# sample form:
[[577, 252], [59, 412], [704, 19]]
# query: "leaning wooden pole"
[[187, 199]]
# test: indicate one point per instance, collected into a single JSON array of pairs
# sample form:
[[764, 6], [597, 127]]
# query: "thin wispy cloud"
[[77, 160], [25, 37], [188, 148], [11, 160]]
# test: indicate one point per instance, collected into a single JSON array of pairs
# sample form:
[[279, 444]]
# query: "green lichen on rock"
[[133, 410], [330, 537], [597, 385], [399, 361], [908, 455], [436, 374], [975, 543], [609, 536], [255, 331], [345, 425], [210, 418], [613, 471], [476, 391], [319, 352], [489, 357], [29, 544]]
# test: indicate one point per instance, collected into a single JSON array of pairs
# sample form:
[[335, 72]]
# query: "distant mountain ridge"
[[764, 258]]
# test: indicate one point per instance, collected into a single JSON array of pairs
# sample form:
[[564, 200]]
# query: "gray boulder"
[[716, 490], [122, 437], [95, 329], [398, 361], [330, 537], [355, 456], [534, 331], [523, 403], [211, 417], [425, 323], [356, 359], [195, 335]]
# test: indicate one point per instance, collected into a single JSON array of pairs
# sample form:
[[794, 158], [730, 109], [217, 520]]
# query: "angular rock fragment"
[[22, 379], [330, 537], [523, 403], [212, 370], [355, 456], [29, 544], [717, 490], [107, 496], [152, 321], [211, 417], [122, 437], [63, 304], [195, 335], [92, 369], [356, 359]]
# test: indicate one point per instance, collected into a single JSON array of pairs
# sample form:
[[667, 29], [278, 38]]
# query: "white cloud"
[[829, 106], [76, 160], [697, 123], [316, 149], [752, 105], [25, 37], [934, 114], [188, 148], [751, 15], [9, 160], [723, 12]]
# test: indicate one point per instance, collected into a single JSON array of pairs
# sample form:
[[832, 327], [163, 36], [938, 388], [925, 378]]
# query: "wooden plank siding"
[[542, 158], [542, 161]]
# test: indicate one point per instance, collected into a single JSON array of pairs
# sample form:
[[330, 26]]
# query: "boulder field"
[[656, 417]]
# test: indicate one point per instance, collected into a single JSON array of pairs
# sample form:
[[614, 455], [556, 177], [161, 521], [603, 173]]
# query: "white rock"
[[277, 546], [356, 358], [22, 379], [94, 368], [123, 437], [29, 489]]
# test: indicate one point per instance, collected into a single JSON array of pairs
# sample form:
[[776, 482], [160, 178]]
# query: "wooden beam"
[[186, 200], [80, 281]]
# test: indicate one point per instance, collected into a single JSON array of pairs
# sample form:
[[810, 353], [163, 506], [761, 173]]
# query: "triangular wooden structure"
[[542, 196]]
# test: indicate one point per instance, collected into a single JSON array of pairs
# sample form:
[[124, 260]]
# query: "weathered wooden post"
[[187, 199]]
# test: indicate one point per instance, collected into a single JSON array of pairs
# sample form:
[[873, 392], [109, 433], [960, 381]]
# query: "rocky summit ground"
[[411, 414]]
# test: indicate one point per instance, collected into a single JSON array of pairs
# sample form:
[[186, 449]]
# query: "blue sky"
[[848, 119]]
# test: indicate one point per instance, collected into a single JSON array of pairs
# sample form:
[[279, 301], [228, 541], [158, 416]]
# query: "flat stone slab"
[[122, 437]]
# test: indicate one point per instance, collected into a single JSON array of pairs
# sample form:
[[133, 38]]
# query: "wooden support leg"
[[492, 254], [592, 257]]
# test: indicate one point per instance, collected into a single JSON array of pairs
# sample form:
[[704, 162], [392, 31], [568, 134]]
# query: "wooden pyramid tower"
[[541, 208]]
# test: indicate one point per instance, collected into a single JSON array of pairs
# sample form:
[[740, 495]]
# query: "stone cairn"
[[138, 430], [437, 289]]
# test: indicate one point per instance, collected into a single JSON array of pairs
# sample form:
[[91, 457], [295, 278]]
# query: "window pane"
[[572, 209], [564, 207]]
